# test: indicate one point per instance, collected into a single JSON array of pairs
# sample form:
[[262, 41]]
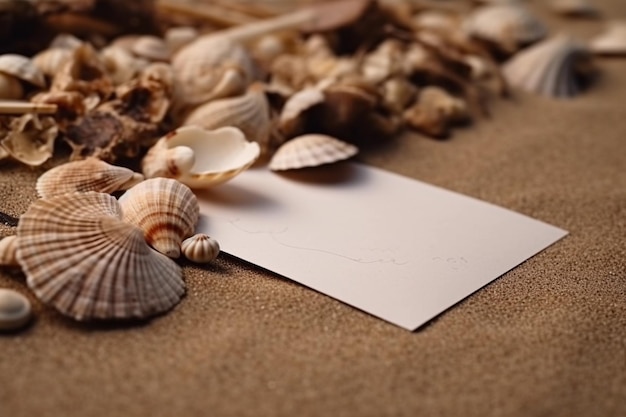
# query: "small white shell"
[[200, 158], [15, 310], [548, 68], [612, 41], [10, 87], [200, 248], [90, 174], [310, 150], [23, 68], [8, 251]]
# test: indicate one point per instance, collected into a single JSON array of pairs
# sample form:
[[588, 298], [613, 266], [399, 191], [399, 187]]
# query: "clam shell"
[[23, 68], [249, 112], [200, 248], [612, 41], [200, 158], [548, 68], [90, 174], [165, 209], [80, 257], [10, 87], [309, 151], [8, 251], [509, 25], [15, 310]]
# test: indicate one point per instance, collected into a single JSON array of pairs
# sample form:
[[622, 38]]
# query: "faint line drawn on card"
[[388, 255], [456, 263]]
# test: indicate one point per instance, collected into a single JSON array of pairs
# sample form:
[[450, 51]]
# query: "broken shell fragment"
[[612, 41], [31, 139], [200, 248], [81, 258], [309, 151], [555, 68], [200, 158], [165, 209], [8, 251], [15, 310], [22, 68], [90, 174]]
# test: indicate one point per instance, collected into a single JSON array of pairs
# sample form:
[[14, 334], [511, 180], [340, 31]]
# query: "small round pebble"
[[15, 310]]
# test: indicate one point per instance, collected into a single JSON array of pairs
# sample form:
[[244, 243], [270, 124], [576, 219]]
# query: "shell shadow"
[[345, 174]]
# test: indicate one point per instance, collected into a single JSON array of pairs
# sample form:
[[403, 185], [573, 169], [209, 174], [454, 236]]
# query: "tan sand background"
[[546, 339]]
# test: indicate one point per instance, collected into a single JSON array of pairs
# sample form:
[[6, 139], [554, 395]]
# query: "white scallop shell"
[[200, 248], [80, 257], [10, 87], [15, 310], [547, 68], [506, 25], [8, 251], [310, 150], [90, 174], [200, 158], [165, 209], [612, 41], [23, 68]]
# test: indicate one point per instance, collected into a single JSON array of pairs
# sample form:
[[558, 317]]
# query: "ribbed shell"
[[8, 251], [90, 174], [80, 257], [547, 68], [309, 151], [250, 113], [200, 248], [23, 68], [165, 209]]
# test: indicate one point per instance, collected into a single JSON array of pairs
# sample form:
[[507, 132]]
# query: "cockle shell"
[[509, 26], [549, 68], [612, 41], [23, 68], [249, 112], [90, 174], [80, 257], [165, 209], [200, 248], [10, 87], [310, 150], [200, 158], [15, 310], [8, 251]]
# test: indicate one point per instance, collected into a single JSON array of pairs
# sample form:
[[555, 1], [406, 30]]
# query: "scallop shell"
[[200, 158], [10, 87], [23, 68], [80, 257], [509, 26], [90, 174], [50, 60], [548, 68], [249, 112], [200, 248], [612, 41], [8, 251], [309, 151], [165, 209], [15, 310]]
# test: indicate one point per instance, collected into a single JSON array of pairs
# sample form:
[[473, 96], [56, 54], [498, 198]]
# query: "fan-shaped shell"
[[200, 158], [79, 256], [165, 209], [249, 112], [508, 25], [15, 310], [90, 174], [309, 151], [8, 251], [200, 248], [548, 68], [612, 41], [23, 68]]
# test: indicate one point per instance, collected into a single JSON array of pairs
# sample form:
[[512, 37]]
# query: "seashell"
[[10, 87], [65, 41], [15, 310], [80, 257], [179, 36], [434, 112], [290, 119], [151, 48], [200, 248], [120, 64], [249, 112], [550, 68], [200, 158], [90, 174], [508, 26], [210, 68], [309, 151], [383, 62], [49, 61], [398, 93], [84, 72], [612, 41], [31, 139], [8, 251], [22, 68], [165, 209], [454, 109], [573, 7]]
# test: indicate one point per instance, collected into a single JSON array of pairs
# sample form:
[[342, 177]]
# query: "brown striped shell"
[[310, 150], [80, 257], [165, 209], [200, 248]]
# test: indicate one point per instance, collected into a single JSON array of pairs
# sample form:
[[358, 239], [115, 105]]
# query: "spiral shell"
[[80, 257], [309, 151], [165, 209], [200, 248]]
